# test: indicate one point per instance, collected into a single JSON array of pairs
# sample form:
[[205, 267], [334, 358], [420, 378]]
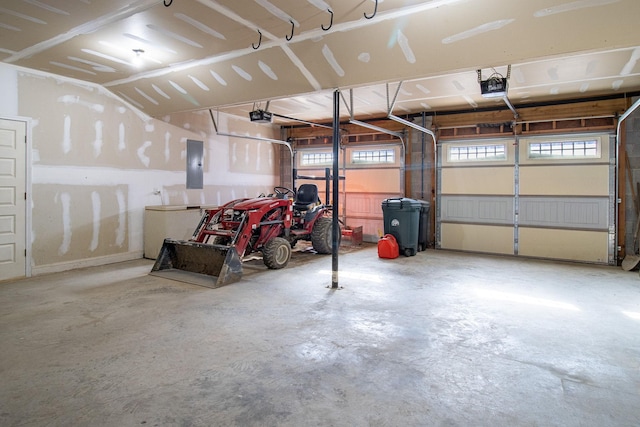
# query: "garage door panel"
[[381, 180], [372, 174], [575, 245], [365, 209], [477, 238], [366, 205], [576, 213], [570, 180], [372, 229], [481, 180], [553, 200], [477, 209]]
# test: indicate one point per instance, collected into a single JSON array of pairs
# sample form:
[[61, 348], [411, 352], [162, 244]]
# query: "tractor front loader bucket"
[[198, 263]]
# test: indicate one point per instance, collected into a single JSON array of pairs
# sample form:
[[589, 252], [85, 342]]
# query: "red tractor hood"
[[261, 203]]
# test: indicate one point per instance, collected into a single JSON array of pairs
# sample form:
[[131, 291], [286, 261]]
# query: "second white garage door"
[[544, 197]]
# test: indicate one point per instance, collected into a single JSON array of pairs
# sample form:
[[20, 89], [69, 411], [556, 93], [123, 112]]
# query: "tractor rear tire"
[[321, 235], [276, 253]]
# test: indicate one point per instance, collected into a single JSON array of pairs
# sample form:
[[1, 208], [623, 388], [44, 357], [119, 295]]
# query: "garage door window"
[[467, 153], [373, 157], [317, 159], [565, 149]]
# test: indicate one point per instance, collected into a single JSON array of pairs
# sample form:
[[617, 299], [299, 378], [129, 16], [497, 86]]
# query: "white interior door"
[[12, 199]]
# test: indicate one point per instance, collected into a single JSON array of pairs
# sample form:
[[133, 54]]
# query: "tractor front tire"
[[276, 253], [321, 235]]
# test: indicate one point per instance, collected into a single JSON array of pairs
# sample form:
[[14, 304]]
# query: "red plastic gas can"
[[388, 247]]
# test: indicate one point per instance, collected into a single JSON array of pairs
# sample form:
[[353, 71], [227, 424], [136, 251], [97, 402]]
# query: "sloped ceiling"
[[234, 55]]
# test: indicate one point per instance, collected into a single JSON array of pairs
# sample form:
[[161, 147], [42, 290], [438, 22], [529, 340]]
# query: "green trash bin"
[[402, 220], [423, 234]]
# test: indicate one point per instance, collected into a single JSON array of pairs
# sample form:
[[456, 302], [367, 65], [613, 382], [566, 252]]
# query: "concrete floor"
[[439, 339]]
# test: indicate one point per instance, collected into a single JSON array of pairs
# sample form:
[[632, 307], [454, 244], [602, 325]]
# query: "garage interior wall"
[[97, 161], [570, 118]]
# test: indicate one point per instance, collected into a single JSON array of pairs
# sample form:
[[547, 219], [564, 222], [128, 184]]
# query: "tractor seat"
[[306, 196]]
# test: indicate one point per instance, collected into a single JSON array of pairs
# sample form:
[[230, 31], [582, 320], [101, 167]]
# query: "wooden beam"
[[348, 128], [578, 110]]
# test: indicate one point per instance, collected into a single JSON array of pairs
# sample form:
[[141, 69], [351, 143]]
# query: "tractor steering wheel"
[[283, 191]]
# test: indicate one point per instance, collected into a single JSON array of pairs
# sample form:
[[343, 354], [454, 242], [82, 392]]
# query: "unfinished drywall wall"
[[9, 85], [249, 161], [97, 161]]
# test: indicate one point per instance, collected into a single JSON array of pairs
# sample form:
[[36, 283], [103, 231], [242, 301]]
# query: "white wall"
[[9, 90], [96, 162]]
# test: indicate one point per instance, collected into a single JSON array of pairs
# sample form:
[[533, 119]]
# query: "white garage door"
[[372, 174], [544, 197]]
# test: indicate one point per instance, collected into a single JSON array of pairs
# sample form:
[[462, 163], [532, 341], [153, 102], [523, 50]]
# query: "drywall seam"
[[331, 59], [65, 202], [122, 218], [96, 208], [98, 142], [106, 176], [146, 160], [122, 145], [100, 89], [66, 134], [278, 41], [85, 28]]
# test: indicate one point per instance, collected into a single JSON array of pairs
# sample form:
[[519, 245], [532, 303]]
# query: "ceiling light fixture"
[[137, 60]]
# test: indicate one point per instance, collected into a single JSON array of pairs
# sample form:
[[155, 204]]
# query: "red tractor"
[[269, 224]]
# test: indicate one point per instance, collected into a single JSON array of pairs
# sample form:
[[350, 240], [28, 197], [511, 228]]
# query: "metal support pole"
[[422, 149], [336, 179], [327, 189], [294, 176]]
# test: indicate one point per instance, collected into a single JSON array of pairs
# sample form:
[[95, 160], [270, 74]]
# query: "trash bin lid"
[[401, 203]]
